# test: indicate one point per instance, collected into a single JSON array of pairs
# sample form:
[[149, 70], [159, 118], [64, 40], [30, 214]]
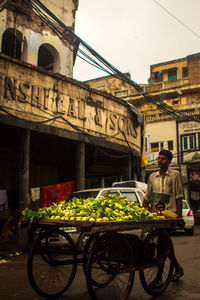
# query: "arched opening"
[[48, 58], [14, 44]]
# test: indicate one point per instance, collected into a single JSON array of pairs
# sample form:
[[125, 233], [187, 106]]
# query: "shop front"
[[189, 157], [56, 131]]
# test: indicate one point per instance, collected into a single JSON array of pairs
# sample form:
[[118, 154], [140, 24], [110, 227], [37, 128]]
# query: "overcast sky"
[[134, 34]]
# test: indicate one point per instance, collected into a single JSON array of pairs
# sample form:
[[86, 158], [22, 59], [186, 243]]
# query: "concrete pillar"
[[102, 182], [23, 190], [80, 166], [23, 187], [129, 168]]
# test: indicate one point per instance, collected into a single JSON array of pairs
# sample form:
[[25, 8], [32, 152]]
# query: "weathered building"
[[55, 129], [172, 119], [25, 36]]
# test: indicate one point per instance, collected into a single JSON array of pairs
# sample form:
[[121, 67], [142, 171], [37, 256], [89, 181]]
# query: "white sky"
[[132, 35]]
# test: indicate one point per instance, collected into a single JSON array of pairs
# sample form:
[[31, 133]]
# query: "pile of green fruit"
[[105, 208]]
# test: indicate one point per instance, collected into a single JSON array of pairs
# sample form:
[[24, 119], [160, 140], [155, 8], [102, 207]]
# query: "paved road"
[[14, 284]]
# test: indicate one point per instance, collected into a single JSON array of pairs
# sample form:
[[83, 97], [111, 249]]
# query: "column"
[[23, 189], [129, 168], [80, 166]]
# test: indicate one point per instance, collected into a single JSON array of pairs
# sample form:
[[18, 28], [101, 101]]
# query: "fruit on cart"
[[110, 207], [169, 214]]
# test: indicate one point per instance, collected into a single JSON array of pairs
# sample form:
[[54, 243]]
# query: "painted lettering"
[[36, 96], [113, 119], [10, 88], [81, 110], [71, 109], [97, 117], [46, 97], [23, 88], [130, 130], [121, 125]]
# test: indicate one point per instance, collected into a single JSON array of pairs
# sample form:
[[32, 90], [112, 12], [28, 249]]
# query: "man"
[[166, 181]]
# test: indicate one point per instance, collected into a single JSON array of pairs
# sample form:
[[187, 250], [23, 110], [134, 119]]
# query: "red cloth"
[[56, 193]]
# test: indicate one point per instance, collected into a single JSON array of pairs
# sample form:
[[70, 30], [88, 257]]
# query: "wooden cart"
[[109, 259]]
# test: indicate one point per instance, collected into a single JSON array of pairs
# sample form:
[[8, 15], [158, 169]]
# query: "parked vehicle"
[[131, 183], [188, 217], [132, 194]]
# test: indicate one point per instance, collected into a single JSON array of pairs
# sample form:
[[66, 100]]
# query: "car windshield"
[[130, 196], [185, 205], [83, 195]]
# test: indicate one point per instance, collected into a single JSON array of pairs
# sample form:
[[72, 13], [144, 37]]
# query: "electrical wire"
[[154, 161], [39, 10], [178, 20]]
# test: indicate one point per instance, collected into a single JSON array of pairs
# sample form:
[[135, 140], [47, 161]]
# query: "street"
[[14, 282]]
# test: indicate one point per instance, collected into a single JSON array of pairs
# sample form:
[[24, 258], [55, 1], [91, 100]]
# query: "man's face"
[[163, 161]]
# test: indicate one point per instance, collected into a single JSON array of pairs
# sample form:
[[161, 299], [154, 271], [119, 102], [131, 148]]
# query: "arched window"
[[48, 58], [14, 44]]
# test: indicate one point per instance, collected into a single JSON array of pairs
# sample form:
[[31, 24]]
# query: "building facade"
[[172, 120], [24, 36], [54, 129]]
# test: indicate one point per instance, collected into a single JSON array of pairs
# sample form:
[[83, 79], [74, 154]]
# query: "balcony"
[[166, 85]]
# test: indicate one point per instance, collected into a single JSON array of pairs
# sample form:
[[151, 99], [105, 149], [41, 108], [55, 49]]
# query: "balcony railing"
[[166, 85]]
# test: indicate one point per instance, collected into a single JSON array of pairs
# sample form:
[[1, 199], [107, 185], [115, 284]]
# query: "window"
[[155, 75], [172, 74], [146, 143], [130, 196], [170, 145], [184, 72], [156, 147], [48, 58], [14, 44], [175, 102], [188, 142]]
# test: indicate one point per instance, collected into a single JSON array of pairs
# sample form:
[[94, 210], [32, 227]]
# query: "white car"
[[133, 194], [188, 217]]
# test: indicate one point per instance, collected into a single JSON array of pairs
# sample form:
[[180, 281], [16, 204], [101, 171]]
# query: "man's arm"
[[145, 204], [147, 197]]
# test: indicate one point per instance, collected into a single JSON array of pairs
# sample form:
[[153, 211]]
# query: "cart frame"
[[110, 257]]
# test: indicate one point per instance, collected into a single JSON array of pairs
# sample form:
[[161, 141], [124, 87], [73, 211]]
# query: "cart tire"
[[110, 272], [52, 263], [156, 262]]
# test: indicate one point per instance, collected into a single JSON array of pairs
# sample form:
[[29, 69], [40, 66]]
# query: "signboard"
[[62, 102], [189, 127]]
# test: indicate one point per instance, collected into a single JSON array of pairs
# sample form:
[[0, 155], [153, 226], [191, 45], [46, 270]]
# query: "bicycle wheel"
[[157, 267], [52, 263], [110, 272]]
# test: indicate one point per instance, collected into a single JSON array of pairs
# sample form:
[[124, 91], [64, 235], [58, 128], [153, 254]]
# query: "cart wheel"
[[110, 272], [157, 267], [52, 263]]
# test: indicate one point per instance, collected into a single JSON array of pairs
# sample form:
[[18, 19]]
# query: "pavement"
[[14, 283]]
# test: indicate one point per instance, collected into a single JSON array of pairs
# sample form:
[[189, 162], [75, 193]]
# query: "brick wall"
[[194, 68]]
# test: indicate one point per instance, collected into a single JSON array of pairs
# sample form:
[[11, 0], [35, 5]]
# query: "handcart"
[[110, 257]]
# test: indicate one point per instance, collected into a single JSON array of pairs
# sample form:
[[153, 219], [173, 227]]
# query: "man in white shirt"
[[166, 181]]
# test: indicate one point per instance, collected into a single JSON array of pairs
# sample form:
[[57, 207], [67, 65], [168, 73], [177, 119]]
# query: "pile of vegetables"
[[105, 208]]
